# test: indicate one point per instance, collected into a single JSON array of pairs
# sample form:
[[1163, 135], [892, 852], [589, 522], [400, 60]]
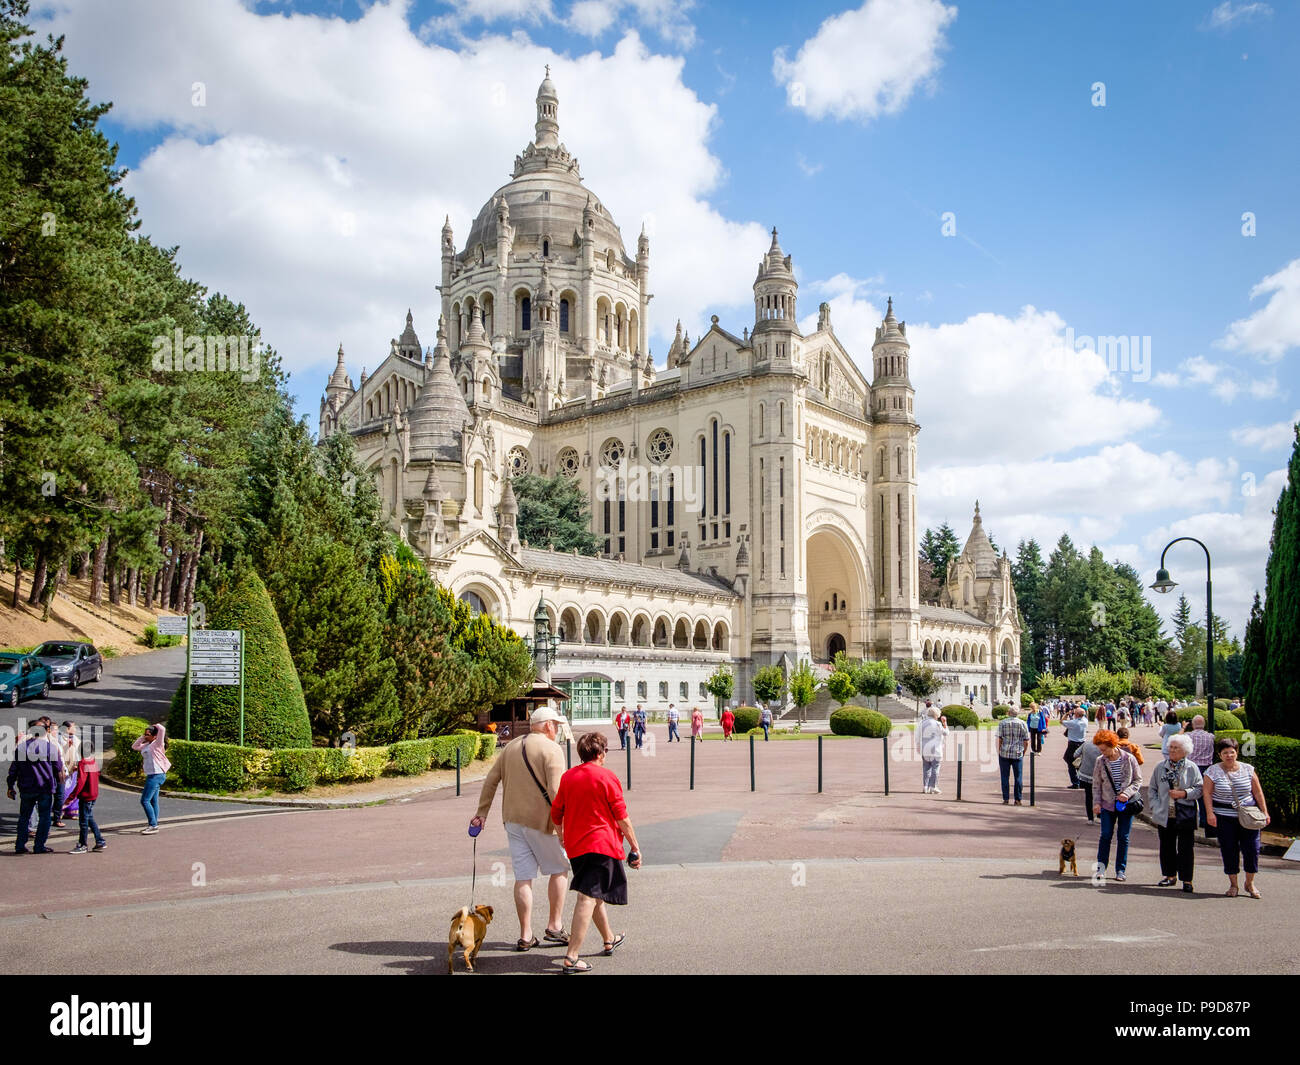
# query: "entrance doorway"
[[834, 645]]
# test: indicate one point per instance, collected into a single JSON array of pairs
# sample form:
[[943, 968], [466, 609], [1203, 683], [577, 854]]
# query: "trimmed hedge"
[[275, 712], [1000, 712], [1223, 720], [229, 767], [960, 716], [746, 718], [126, 730], [859, 721]]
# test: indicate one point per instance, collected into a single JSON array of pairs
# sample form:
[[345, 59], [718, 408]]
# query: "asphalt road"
[[135, 686], [962, 916]]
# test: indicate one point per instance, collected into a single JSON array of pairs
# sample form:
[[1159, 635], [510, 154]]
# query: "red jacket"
[[87, 781], [589, 806]]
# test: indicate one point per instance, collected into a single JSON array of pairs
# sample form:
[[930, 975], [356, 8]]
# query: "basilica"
[[754, 497]]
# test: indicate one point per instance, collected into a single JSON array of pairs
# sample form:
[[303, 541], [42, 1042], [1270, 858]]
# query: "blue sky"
[[334, 136]]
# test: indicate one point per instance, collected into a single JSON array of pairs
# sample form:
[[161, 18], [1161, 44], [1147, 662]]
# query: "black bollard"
[[458, 769], [628, 783], [884, 749], [959, 772], [568, 754], [819, 764], [751, 761], [692, 763], [1033, 757]]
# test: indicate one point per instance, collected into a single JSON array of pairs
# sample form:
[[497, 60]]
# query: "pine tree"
[[553, 512], [1274, 697], [939, 549], [1182, 617], [1028, 577], [1252, 658]]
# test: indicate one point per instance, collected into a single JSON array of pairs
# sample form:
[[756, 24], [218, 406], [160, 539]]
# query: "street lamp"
[[1163, 583], [544, 644]]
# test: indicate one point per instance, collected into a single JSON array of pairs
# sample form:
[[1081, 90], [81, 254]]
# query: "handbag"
[[1133, 807], [1250, 818]]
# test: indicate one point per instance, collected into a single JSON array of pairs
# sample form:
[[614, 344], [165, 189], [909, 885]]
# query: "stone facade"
[[755, 498]]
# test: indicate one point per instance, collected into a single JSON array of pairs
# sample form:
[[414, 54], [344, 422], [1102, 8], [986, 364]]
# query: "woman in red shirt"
[[728, 723], [590, 813]]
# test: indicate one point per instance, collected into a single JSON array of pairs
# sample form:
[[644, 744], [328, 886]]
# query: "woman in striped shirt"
[[1116, 779], [1227, 782]]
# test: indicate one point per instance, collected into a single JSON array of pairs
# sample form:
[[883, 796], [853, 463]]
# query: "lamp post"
[[1164, 584], [544, 645]]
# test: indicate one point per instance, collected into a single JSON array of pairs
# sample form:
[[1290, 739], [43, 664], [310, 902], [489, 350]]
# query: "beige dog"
[[468, 928], [1068, 858]]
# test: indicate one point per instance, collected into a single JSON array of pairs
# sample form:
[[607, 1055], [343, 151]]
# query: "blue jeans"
[[766, 729], [42, 802], [639, 733], [622, 738], [672, 732], [1005, 766], [1109, 819], [149, 797], [930, 772], [86, 822]]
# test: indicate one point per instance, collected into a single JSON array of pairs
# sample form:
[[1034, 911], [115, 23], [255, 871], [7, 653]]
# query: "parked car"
[[21, 677], [70, 662]]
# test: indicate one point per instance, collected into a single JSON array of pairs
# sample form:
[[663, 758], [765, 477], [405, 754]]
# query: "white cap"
[[543, 714]]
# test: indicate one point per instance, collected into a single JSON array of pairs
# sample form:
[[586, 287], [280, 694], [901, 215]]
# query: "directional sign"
[[171, 626], [214, 656]]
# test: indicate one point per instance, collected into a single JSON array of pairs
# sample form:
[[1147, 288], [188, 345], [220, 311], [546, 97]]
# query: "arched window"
[[546, 249], [526, 313], [762, 419], [564, 316], [478, 486]]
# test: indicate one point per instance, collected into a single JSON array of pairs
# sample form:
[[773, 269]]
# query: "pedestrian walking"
[[639, 720], [153, 750], [1076, 731], [70, 753], [1175, 785], [1116, 782], [36, 774], [84, 795], [590, 809], [1086, 762], [529, 769], [934, 731], [1013, 741], [1236, 803], [1203, 756], [697, 725], [1129, 745], [728, 723], [765, 719], [622, 722], [1036, 722], [1171, 727], [673, 717]]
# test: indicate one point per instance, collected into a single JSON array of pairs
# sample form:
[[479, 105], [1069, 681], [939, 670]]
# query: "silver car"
[[70, 662]]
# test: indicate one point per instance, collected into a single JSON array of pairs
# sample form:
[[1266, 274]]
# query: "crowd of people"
[[55, 777]]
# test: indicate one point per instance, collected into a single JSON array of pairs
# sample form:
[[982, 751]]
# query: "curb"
[[1273, 850]]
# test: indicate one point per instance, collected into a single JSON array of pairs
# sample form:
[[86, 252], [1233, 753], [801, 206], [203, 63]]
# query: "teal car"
[[21, 677]]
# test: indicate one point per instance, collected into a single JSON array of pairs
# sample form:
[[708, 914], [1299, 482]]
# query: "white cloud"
[[1224, 382], [314, 182], [590, 18], [1274, 329], [1227, 14], [1267, 437], [867, 62]]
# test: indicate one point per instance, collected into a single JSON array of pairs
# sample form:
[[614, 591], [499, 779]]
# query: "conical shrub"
[[275, 713]]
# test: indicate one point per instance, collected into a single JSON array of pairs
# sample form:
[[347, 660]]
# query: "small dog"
[[468, 928], [1067, 855]]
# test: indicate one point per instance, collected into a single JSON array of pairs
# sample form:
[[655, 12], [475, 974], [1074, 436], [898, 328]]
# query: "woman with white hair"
[[934, 730], [1175, 785]]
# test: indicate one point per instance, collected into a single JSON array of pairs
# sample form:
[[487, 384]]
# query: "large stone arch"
[[570, 625], [487, 587], [617, 634], [836, 570], [642, 629], [594, 626]]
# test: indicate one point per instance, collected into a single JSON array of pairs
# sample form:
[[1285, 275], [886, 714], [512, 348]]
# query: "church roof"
[[602, 570], [408, 343], [439, 411], [979, 549], [546, 195], [951, 616]]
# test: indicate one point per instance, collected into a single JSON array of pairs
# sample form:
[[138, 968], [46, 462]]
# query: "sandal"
[[612, 945], [1231, 893], [576, 967], [1253, 892], [557, 937], [521, 945]]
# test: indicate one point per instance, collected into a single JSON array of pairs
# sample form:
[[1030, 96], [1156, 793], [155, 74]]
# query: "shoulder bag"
[[1250, 818], [1132, 806], [523, 749]]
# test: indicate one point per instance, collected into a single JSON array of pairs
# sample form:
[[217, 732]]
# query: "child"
[[84, 795]]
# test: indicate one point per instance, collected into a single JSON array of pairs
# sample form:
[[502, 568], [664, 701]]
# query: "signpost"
[[172, 625], [213, 657]]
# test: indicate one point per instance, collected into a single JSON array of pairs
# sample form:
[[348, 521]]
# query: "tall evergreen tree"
[[1274, 695], [1252, 658], [939, 549], [1028, 576], [553, 512]]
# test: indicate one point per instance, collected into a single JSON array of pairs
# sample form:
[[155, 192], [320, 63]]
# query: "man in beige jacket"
[[530, 768]]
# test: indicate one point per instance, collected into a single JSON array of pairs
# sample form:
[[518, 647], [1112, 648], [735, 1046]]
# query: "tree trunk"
[[114, 586], [169, 571], [192, 573], [97, 573], [38, 579], [50, 592], [132, 585], [18, 580]]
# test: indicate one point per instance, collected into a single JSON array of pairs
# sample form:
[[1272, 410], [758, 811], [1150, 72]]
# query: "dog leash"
[[473, 879]]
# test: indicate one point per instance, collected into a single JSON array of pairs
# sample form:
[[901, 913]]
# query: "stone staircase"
[[821, 708]]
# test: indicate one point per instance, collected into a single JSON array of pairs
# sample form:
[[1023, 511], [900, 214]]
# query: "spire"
[[508, 503], [889, 311], [977, 512], [339, 378], [548, 104], [475, 336], [775, 249]]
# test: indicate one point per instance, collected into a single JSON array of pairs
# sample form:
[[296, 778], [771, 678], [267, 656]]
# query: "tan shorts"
[[531, 850]]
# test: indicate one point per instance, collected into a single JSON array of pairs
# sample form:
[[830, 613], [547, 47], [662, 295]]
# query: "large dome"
[[545, 197]]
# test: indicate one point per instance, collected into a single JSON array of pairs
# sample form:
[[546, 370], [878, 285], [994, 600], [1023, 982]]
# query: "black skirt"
[[600, 877]]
